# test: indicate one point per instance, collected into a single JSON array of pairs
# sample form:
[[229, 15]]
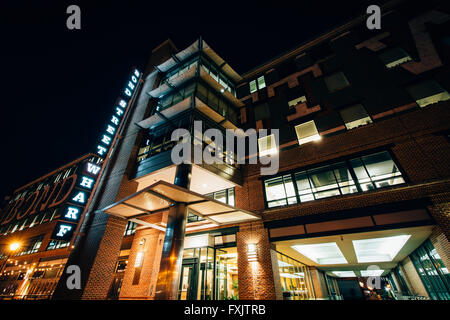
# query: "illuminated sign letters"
[[72, 213], [63, 228], [73, 210], [107, 138], [92, 168], [80, 197]]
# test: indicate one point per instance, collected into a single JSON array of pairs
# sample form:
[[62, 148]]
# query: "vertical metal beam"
[[172, 252]]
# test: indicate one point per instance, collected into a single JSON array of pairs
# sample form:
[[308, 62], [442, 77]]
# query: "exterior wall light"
[[252, 252]]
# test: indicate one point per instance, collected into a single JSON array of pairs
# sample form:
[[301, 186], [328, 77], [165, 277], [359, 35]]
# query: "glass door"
[[188, 280]]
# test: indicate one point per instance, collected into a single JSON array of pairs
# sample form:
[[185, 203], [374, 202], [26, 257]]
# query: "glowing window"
[[267, 145], [307, 132]]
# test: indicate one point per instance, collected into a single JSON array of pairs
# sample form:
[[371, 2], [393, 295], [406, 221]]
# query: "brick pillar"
[[256, 279], [141, 284], [101, 273], [440, 210], [441, 244]]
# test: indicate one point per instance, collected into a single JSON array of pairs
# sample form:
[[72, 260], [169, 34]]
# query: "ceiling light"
[[322, 253], [379, 249], [371, 273], [344, 274]]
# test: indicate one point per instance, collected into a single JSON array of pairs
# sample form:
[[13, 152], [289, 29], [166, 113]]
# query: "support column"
[[172, 252], [256, 278]]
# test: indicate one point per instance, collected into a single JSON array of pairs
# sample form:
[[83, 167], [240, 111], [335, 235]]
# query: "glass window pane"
[[323, 182], [381, 167], [261, 82], [336, 81], [363, 178], [307, 132], [355, 116], [253, 86]]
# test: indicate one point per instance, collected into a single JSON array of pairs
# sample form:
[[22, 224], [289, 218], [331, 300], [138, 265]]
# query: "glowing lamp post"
[[12, 248]]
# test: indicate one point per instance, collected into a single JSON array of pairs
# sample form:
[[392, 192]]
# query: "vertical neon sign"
[[77, 202]]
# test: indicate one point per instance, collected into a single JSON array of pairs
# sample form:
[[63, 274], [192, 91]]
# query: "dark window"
[[427, 92], [394, 56], [262, 111], [336, 81], [355, 116]]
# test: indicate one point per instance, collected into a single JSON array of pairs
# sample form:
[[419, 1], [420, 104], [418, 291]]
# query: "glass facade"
[[295, 278], [432, 271], [225, 196], [209, 274], [356, 175]]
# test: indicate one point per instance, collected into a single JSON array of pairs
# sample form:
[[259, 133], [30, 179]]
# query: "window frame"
[[332, 163]]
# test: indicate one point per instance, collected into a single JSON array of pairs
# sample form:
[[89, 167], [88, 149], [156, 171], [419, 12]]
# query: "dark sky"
[[58, 86]]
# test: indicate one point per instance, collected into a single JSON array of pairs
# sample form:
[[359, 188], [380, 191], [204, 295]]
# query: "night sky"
[[58, 86]]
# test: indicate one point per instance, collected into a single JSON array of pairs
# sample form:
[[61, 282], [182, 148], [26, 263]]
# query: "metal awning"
[[195, 47], [162, 195]]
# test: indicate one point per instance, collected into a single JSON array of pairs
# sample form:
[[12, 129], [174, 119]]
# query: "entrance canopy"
[[162, 195]]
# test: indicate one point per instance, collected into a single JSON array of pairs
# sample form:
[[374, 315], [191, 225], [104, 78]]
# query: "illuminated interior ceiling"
[[382, 250], [161, 195], [202, 181]]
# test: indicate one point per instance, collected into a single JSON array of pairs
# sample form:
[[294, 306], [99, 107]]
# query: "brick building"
[[357, 126]]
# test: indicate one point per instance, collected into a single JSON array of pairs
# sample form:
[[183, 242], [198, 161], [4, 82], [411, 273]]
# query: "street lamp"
[[12, 248]]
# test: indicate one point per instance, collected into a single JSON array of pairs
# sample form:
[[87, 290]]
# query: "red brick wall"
[[101, 273], [154, 240], [256, 280]]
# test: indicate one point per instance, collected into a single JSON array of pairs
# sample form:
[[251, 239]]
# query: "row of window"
[[257, 84], [210, 97], [225, 196], [424, 93], [219, 104], [208, 67], [30, 222], [351, 176], [35, 243], [432, 271]]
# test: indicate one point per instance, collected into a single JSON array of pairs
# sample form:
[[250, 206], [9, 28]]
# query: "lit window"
[[371, 172], [336, 81], [267, 145], [355, 116], [296, 101], [253, 86], [376, 171], [394, 57], [307, 132], [130, 228], [428, 92], [280, 191], [261, 83]]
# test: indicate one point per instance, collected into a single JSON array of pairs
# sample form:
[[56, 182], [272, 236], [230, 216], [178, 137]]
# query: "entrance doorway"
[[189, 280], [209, 273]]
